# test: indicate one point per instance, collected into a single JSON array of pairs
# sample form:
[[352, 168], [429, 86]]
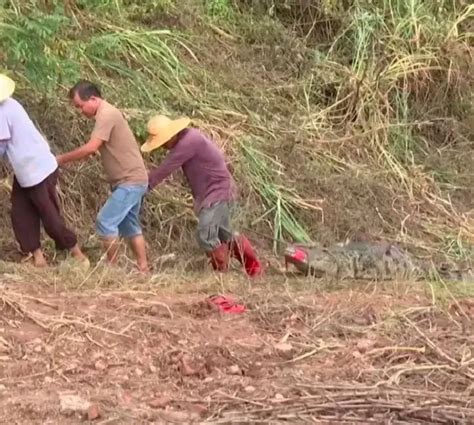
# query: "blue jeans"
[[120, 214]]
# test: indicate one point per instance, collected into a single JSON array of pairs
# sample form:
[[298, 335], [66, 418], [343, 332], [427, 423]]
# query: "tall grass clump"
[[392, 75]]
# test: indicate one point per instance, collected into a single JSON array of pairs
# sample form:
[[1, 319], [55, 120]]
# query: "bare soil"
[[359, 353]]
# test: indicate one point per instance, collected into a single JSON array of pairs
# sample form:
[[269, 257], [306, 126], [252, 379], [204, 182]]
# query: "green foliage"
[[51, 50], [124, 51], [219, 9], [280, 200], [33, 45]]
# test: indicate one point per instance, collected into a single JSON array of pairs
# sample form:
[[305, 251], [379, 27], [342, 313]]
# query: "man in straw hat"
[[34, 198], [212, 186], [124, 169]]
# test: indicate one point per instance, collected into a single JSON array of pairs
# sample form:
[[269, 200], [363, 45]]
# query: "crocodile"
[[366, 260]]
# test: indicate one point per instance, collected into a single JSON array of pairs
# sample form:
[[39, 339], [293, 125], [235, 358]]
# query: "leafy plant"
[[219, 8], [33, 46]]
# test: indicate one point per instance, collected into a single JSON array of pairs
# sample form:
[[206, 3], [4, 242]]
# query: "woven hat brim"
[[7, 87], [155, 141]]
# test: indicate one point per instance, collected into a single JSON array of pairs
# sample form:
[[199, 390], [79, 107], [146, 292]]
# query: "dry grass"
[[360, 127], [155, 352]]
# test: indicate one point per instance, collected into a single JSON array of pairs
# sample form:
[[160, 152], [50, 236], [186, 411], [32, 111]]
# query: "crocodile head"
[[298, 256], [315, 260]]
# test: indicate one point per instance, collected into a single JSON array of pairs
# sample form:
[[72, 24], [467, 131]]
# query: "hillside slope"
[[339, 118]]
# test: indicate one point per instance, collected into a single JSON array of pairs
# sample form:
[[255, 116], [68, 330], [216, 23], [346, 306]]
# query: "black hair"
[[85, 90]]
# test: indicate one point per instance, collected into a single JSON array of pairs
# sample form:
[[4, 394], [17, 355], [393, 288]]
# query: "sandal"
[[226, 304]]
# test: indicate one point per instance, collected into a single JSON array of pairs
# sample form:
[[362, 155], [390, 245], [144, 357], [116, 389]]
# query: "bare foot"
[[38, 259], [138, 246], [143, 269], [77, 253], [40, 263]]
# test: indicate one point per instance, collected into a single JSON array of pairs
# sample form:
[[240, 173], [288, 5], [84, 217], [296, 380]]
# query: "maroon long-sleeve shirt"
[[204, 166]]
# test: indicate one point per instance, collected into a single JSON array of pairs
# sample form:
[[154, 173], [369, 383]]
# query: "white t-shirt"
[[26, 149]]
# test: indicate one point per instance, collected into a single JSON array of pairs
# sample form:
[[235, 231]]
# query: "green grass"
[[280, 200], [221, 9]]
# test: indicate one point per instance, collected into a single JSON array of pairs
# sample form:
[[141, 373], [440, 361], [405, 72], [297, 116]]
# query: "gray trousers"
[[214, 225]]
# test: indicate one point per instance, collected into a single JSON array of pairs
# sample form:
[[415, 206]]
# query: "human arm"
[[90, 148], [181, 153], [103, 127]]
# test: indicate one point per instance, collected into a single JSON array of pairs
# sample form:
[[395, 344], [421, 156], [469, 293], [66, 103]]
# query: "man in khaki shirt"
[[124, 169]]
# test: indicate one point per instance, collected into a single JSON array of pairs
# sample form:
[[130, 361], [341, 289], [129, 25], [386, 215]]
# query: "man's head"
[[86, 97]]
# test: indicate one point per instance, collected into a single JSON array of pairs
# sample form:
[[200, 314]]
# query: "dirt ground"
[[301, 353]]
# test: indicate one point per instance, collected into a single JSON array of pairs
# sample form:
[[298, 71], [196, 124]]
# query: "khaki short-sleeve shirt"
[[120, 154]]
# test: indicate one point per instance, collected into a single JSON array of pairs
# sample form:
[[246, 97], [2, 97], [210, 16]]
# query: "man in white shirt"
[[34, 198]]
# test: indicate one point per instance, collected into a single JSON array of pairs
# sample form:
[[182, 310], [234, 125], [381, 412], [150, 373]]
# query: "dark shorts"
[[214, 225], [36, 205]]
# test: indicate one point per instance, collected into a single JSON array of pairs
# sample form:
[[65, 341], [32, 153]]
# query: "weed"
[[219, 9]]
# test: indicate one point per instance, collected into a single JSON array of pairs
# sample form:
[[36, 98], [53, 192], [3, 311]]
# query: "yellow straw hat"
[[7, 87], [161, 129]]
